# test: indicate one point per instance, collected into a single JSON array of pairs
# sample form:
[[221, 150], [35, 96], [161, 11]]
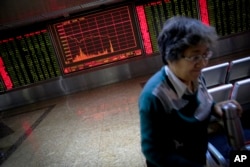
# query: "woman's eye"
[[195, 57]]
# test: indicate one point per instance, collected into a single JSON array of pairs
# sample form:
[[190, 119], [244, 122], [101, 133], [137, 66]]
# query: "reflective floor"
[[94, 128]]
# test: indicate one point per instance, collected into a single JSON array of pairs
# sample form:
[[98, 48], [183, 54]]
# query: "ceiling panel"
[[14, 13]]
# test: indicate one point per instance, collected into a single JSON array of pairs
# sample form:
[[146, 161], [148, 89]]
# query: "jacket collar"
[[178, 85]]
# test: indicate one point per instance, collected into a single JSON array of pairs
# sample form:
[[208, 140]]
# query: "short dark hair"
[[179, 33]]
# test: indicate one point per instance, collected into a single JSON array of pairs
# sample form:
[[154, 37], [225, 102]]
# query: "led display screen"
[[1, 86], [152, 16], [27, 59], [4, 76], [96, 39], [203, 11], [229, 16]]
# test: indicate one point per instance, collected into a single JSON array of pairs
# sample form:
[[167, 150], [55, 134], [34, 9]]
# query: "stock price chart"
[[96, 39]]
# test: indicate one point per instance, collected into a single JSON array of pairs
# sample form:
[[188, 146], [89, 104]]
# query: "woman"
[[174, 105]]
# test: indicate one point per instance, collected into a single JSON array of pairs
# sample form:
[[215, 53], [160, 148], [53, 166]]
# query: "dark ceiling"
[[16, 13]]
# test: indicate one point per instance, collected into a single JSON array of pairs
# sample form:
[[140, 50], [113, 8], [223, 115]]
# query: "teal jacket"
[[173, 130]]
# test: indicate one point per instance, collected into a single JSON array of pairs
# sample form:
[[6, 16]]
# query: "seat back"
[[214, 157], [239, 69], [221, 93], [241, 91], [215, 75]]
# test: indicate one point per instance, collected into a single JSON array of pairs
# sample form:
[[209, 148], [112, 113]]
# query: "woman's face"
[[193, 60]]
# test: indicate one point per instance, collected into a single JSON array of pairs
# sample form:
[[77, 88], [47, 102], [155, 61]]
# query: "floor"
[[94, 128]]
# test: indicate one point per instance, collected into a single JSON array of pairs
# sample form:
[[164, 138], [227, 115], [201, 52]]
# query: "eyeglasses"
[[198, 58]]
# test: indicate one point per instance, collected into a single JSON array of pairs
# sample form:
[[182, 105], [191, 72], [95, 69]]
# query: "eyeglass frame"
[[198, 58]]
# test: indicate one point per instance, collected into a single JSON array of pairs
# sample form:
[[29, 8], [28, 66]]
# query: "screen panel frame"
[[153, 29], [20, 78], [134, 53]]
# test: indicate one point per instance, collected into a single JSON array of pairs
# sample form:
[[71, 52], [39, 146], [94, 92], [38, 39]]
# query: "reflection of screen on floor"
[[240, 158]]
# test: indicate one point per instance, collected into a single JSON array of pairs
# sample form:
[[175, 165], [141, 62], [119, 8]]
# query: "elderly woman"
[[174, 105]]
